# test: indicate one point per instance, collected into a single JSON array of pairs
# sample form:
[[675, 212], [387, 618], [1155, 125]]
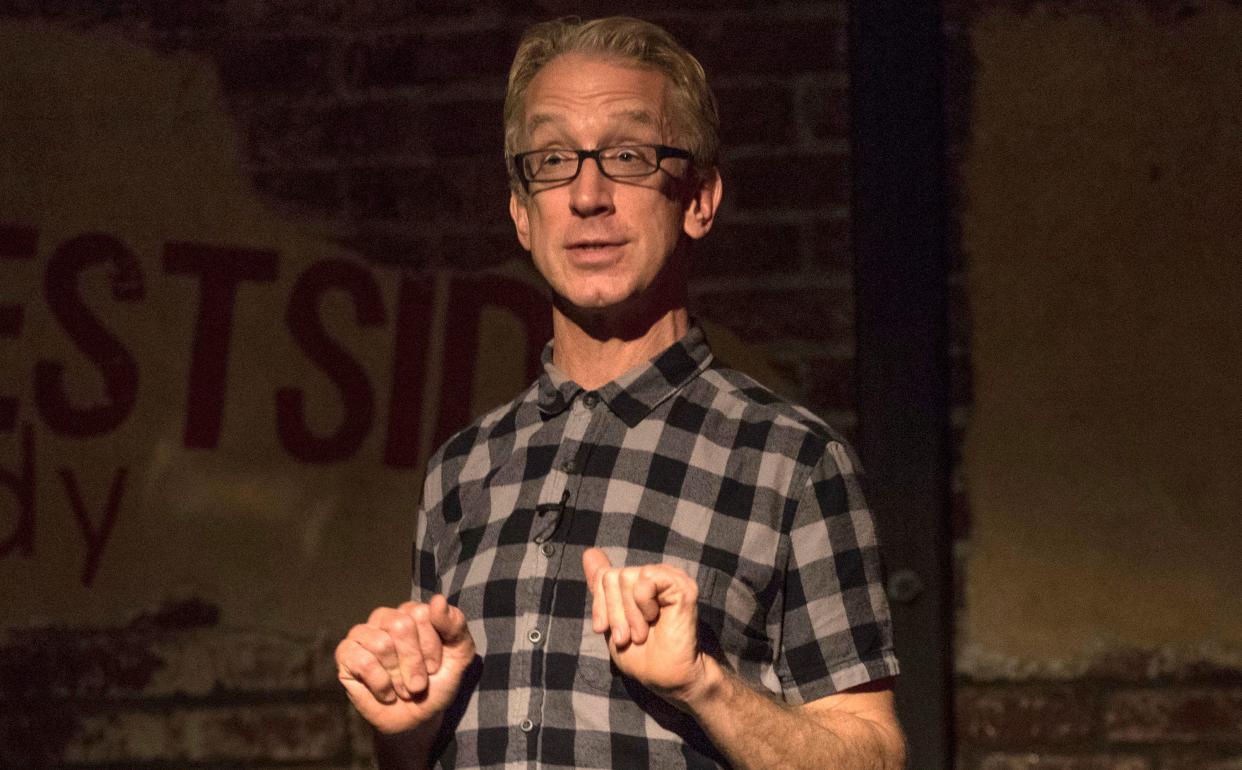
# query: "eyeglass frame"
[[662, 151]]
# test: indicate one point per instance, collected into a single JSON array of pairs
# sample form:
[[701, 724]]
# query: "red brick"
[[829, 384], [831, 245], [824, 109], [293, 65], [764, 44], [458, 192], [1007, 716], [803, 181], [189, 16], [361, 735], [824, 315], [149, 662], [298, 133], [742, 248], [1175, 714], [412, 60], [286, 132], [1034, 761], [267, 732], [480, 249], [756, 115], [235, 661], [42, 663], [34, 735], [415, 247], [432, 130], [1201, 760], [305, 191], [644, 8]]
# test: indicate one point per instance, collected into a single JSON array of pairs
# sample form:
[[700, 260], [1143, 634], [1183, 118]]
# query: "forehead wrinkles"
[[594, 95]]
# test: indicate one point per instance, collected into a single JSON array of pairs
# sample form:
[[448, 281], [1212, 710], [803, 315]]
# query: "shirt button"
[[535, 636], [590, 399], [569, 466], [526, 726], [548, 549]]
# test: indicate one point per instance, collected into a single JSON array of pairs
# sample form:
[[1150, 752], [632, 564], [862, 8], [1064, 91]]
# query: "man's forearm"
[[754, 731]]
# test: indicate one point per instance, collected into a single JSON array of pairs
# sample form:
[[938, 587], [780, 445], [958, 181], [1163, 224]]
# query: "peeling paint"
[[1103, 659]]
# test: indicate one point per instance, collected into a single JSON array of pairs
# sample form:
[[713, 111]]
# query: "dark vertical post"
[[901, 270]]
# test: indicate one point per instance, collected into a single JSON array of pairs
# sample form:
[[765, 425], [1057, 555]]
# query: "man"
[[652, 561]]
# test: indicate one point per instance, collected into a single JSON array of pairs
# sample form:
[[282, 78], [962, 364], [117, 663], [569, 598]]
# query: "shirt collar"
[[634, 394]]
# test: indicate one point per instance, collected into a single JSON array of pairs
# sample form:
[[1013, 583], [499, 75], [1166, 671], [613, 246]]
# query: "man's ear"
[[701, 206], [521, 219]]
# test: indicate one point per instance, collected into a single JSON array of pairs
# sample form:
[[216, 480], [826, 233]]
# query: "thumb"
[[448, 621], [594, 560]]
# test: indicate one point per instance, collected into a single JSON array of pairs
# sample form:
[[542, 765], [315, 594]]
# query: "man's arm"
[[651, 617], [853, 730]]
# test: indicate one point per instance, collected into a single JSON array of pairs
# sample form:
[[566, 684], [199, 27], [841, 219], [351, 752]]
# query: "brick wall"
[[379, 124], [1137, 711]]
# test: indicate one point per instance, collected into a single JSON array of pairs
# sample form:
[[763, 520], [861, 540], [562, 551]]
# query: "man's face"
[[597, 241]]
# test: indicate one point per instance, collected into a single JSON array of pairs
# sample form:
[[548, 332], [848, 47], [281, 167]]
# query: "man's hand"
[[402, 668], [650, 614]]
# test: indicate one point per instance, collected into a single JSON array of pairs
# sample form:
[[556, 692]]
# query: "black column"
[[901, 270]]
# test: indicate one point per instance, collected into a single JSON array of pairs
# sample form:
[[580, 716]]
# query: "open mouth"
[[590, 251]]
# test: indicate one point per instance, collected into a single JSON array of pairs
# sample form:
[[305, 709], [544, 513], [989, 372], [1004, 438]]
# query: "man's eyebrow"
[[641, 117], [541, 119]]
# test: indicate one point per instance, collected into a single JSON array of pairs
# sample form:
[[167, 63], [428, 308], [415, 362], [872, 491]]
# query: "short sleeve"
[[425, 576], [836, 630]]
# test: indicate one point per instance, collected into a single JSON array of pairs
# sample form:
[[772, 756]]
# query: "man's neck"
[[593, 357]]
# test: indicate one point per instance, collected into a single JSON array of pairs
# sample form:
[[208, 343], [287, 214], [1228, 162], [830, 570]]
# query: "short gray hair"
[[694, 112]]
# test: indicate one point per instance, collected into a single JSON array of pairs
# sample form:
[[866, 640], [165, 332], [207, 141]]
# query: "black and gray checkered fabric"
[[681, 461]]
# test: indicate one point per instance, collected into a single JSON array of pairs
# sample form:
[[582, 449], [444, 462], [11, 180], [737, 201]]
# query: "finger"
[[448, 621], [428, 639], [380, 643], [412, 669], [356, 663], [614, 601], [593, 561], [599, 608], [646, 595], [635, 618]]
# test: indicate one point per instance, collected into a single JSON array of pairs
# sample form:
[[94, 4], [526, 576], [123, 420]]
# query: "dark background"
[[379, 125]]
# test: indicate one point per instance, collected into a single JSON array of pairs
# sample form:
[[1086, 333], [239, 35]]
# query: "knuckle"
[[400, 625], [379, 615], [367, 667], [383, 644]]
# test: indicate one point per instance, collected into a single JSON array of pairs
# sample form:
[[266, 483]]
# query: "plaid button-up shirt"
[[680, 461]]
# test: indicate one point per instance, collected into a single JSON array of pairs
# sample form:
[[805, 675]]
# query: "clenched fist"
[[403, 667], [650, 614]]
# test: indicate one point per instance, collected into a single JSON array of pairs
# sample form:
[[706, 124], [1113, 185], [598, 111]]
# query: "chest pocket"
[[724, 606]]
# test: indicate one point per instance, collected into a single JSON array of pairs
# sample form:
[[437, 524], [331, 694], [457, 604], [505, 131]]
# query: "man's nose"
[[591, 191]]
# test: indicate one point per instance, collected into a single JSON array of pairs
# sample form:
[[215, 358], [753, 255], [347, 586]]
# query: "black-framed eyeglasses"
[[559, 164]]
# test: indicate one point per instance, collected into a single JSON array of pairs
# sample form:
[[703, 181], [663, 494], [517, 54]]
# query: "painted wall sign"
[[199, 396]]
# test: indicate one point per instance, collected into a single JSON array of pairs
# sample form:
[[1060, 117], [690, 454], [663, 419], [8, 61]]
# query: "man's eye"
[[555, 158]]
